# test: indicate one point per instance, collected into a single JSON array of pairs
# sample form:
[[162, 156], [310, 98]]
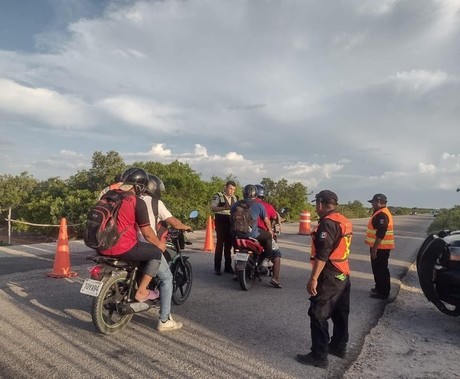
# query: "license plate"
[[91, 287], [241, 257]]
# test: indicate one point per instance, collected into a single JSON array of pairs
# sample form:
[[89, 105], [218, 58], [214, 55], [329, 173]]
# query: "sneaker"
[[169, 324], [378, 296], [310, 360], [338, 352]]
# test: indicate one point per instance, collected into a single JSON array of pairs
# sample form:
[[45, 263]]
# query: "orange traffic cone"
[[61, 267], [209, 240], [304, 224]]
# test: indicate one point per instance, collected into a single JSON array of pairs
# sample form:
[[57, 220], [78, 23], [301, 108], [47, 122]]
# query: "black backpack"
[[241, 220], [101, 232]]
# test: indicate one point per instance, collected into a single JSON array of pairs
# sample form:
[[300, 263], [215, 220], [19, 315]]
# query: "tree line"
[[46, 202]]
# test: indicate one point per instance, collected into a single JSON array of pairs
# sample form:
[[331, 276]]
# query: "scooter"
[[114, 282]]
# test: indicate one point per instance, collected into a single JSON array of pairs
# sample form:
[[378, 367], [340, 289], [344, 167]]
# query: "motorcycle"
[[114, 282], [438, 270], [250, 263]]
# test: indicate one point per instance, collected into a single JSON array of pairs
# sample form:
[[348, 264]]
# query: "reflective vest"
[[339, 256], [388, 241], [223, 200]]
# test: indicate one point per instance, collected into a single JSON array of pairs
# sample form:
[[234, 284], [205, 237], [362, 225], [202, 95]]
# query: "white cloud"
[[419, 81], [42, 105], [359, 96], [142, 112]]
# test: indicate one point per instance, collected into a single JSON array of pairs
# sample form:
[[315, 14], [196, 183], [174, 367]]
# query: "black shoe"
[[229, 270], [217, 272], [337, 351], [378, 296], [374, 290], [310, 360]]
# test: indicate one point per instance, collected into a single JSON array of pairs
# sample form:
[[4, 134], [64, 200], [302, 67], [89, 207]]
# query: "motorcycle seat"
[[250, 244]]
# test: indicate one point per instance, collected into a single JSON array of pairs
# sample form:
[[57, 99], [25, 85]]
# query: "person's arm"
[[177, 224], [380, 223], [318, 266], [151, 237]]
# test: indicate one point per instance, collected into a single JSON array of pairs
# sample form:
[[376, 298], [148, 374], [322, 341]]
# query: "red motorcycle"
[[249, 261]]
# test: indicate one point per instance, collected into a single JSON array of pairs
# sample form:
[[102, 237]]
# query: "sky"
[[355, 96]]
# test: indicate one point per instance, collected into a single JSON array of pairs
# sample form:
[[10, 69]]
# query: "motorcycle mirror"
[[193, 214]]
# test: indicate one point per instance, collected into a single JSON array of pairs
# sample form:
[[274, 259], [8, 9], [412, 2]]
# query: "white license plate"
[[241, 257], [91, 287]]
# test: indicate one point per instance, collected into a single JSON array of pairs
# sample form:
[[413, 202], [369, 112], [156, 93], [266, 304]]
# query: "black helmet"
[[260, 191], [155, 187], [118, 177], [250, 191], [137, 177]]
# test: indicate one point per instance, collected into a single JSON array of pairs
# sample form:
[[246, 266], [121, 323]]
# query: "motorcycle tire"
[[182, 281], [246, 277], [106, 319]]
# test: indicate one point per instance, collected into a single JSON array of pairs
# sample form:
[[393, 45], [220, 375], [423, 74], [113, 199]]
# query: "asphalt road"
[[46, 328]]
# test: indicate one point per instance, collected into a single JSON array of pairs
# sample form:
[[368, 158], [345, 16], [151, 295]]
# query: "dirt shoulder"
[[413, 339]]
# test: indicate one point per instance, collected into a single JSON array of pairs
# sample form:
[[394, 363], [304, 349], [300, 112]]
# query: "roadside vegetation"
[[27, 199]]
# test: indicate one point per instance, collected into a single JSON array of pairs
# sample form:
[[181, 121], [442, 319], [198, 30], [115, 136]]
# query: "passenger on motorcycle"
[[264, 236], [133, 216], [272, 214], [151, 197]]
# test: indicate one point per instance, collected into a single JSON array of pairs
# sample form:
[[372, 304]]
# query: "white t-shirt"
[[163, 214]]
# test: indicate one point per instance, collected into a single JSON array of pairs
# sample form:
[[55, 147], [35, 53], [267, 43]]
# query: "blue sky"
[[354, 96]]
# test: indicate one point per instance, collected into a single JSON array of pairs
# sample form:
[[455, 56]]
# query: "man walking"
[[329, 284], [220, 205], [380, 238]]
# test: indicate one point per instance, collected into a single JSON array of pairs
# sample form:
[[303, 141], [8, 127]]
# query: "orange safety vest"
[[339, 257], [388, 241]]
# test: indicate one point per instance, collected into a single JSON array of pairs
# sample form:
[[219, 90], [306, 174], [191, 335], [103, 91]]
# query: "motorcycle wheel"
[[246, 277], [104, 314], [182, 282]]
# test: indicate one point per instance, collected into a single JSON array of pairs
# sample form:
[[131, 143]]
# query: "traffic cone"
[[304, 223], [61, 267], [209, 240]]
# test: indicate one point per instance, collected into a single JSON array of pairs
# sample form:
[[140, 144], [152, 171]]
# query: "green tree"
[[446, 219]]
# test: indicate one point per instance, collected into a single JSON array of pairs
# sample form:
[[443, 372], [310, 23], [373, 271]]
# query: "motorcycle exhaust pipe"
[[130, 308]]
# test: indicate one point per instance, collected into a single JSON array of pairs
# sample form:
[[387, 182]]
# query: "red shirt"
[[271, 213], [132, 215]]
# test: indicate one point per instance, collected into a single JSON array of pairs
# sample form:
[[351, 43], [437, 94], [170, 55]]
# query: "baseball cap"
[[326, 196], [378, 196]]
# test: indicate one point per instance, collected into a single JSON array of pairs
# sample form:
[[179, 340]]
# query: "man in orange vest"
[[380, 238], [329, 284]]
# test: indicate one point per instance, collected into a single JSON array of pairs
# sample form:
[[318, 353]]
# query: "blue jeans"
[[166, 288]]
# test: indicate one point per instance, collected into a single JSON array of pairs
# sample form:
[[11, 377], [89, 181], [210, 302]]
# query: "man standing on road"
[[380, 238], [220, 205], [329, 284]]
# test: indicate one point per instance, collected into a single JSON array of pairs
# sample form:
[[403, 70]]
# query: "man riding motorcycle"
[[272, 214]]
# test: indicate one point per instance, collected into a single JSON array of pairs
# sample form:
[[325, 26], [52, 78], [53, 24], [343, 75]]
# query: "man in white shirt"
[[152, 199]]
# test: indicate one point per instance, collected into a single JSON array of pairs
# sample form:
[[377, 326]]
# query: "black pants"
[[149, 255], [265, 239], [224, 242], [331, 302], [381, 272]]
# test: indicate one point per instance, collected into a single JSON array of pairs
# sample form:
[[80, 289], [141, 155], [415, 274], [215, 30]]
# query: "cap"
[[326, 196], [379, 197]]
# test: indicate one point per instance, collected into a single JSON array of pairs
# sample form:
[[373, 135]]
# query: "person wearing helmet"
[[220, 205], [115, 185], [159, 214], [272, 214], [264, 236], [133, 216]]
